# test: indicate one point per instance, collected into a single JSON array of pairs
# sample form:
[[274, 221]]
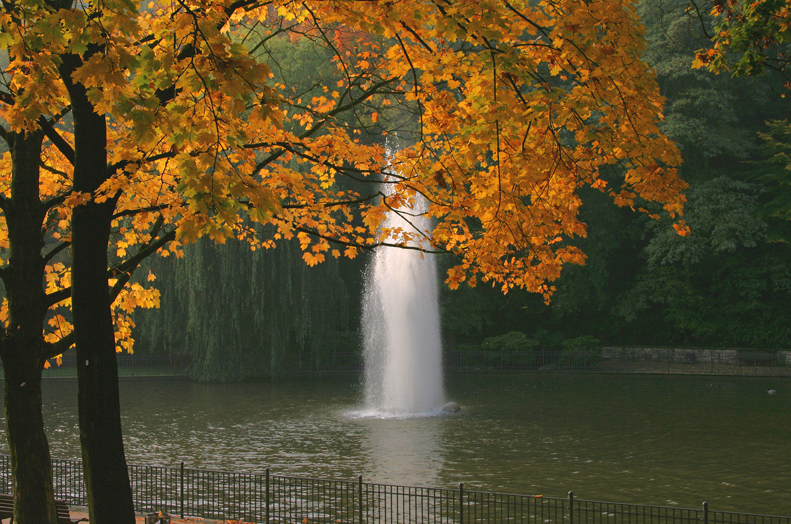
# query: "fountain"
[[402, 346]]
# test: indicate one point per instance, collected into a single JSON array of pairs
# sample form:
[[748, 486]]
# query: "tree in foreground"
[[136, 128]]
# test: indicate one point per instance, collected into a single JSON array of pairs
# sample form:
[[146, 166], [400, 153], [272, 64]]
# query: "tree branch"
[[313, 130], [54, 252], [699, 16], [368, 247], [123, 272], [133, 212], [339, 203], [4, 134], [57, 296], [54, 349], [57, 140]]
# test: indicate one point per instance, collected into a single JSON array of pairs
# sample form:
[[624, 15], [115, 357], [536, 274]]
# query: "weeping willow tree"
[[240, 314]]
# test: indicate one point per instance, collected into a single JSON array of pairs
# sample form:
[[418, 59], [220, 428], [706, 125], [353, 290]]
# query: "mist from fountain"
[[402, 344]]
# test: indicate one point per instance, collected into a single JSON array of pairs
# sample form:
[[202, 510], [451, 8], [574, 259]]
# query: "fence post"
[[571, 507], [705, 512], [266, 515], [461, 502], [360, 489], [181, 488]]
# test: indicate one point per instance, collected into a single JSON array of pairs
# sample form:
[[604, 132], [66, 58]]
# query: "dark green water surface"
[[659, 440]]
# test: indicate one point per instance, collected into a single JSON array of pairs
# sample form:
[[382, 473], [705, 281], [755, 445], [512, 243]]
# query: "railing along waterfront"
[[128, 366], [273, 499], [674, 361], [678, 361]]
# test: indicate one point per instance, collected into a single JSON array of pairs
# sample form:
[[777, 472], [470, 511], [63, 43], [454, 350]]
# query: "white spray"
[[403, 347]]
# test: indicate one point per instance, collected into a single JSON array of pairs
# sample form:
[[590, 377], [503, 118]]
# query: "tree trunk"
[[31, 469], [22, 343], [105, 470]]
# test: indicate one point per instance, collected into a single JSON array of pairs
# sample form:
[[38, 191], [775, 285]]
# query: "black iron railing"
[[128, 366], [623, 360], [274, 499], [606, 360]]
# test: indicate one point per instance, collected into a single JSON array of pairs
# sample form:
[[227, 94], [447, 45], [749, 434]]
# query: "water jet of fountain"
[[402, 346]]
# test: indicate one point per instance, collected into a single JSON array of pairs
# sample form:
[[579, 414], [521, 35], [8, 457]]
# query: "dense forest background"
[[241, 314]]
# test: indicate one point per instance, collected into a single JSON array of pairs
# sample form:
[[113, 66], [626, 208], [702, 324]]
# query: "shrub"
[[583, 343], [581, 352], [512, 341]]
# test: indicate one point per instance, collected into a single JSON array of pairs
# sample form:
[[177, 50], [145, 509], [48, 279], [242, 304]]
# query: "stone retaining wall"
[[691, 356]]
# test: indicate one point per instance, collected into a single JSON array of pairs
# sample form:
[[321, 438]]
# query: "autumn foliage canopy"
[[498, 112]]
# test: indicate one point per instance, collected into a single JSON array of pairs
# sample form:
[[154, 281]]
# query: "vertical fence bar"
[[266, 511], [181, 488], [360, 489], [219, 494], [356, 499], [461, 502], [571, 507]]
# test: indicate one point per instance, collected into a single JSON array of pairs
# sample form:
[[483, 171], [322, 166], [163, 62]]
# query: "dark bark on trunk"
[[31, 469], [22, 345], [105, 470]]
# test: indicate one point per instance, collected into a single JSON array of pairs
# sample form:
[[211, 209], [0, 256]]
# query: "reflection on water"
[[403, 451], [644, 439]]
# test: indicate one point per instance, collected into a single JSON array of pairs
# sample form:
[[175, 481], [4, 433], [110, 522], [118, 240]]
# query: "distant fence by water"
[[626, 360], [273, 499], [128, 366], [607, 360]]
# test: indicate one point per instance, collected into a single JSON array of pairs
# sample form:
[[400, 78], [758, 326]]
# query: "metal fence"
[[128, 366], [272, 499], [332, 362], [674, 361], [624, 360]]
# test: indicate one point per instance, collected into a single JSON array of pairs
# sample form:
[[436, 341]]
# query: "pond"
[[658, 440]]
